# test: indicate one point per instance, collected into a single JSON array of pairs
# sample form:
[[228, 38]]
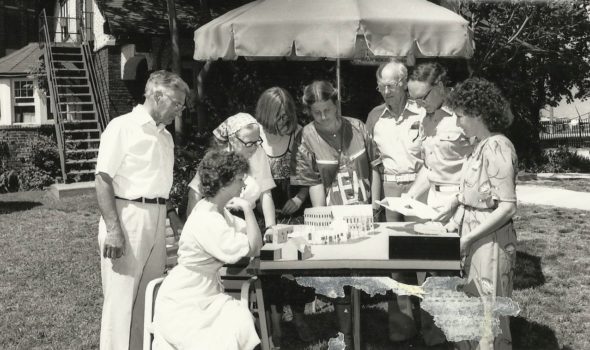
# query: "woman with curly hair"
[[486, 202], [192, 312]]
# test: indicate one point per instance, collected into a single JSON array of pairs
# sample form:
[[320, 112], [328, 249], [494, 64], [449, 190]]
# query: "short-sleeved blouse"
[[489, 174]]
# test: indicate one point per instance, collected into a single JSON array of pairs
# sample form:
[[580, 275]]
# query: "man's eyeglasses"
[[390, 86], [177, 105], [422, 100], [250, 143]]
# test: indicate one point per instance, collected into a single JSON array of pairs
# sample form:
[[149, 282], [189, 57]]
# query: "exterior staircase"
[[78, 107]]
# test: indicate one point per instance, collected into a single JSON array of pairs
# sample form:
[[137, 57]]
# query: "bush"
[[186, 160], [561, 160], [45, 164]]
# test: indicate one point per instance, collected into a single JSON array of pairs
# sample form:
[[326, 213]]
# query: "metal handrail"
[[54, 95], [96, 85]]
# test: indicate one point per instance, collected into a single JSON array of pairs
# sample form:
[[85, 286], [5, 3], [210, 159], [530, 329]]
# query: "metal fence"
[[571, 133]]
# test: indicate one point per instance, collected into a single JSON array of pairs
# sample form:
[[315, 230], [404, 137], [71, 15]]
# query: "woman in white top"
[[191, 311], [241, 133]]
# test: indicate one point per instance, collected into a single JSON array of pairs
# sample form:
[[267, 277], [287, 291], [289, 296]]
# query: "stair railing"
[[45, 44], [97, 84]]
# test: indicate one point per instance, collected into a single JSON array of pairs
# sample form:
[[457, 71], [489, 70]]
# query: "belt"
[[446, 188], [144, 200], [399, 178]]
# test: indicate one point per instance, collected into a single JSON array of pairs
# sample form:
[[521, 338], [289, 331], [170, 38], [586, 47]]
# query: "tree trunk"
[[176, 67]]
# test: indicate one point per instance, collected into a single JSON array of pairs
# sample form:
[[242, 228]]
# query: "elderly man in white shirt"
[[133, 181]]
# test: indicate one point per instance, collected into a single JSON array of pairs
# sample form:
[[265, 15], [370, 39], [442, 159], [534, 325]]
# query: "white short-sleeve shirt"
[[138, 155], [259, 178]]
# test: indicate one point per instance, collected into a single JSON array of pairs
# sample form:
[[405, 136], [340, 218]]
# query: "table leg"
[[356, 318], [262, 315], [421, 277]]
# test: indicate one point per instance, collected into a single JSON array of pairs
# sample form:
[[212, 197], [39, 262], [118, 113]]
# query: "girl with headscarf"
[[241, 133]]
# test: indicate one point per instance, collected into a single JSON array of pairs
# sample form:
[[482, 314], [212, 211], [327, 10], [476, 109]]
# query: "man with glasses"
[[394, 127], [133, 181]]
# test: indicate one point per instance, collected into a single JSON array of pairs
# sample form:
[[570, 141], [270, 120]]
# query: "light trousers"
[[124, 280]]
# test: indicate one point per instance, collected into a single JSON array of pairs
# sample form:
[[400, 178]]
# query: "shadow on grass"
[[14, 206], [528, 272], [531, 335]]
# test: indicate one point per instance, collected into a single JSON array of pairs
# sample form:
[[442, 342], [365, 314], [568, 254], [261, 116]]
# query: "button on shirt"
[[445, 147], [138, 155], [397, 140]]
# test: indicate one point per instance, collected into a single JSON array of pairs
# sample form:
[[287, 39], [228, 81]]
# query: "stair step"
[[69, 69], [77, 103], [79, 112], [81, 172], [77, 151], [73, 85], [74, 122], [81, 161], [76, 131], [68, 53], [81, 94], [83, 140], [67, 61]]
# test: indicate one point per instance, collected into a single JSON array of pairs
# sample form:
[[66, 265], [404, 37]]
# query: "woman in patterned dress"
[[486, 202]]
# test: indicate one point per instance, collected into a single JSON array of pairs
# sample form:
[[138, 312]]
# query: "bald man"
[[396, 156]]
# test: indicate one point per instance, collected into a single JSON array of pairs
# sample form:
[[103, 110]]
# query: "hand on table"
[[291, 206]]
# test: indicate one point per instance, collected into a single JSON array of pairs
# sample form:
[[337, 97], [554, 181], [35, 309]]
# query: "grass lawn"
[[50, 296]]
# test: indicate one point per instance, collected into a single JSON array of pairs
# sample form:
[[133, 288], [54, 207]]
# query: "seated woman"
[[191, 311], [486, 200], [241, 133]]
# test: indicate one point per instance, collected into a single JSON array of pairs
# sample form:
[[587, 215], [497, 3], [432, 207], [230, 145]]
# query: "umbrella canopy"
[[335, 29]]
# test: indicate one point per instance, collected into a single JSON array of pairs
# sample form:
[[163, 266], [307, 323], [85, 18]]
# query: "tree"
[[536, 52]]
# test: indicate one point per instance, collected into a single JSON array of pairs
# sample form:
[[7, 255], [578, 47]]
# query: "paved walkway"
[[532, 194]]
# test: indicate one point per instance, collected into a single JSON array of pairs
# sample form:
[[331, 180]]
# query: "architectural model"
[[337, 224]]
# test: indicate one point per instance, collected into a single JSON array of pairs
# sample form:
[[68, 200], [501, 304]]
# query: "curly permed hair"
[[218, 169], [479, 97]]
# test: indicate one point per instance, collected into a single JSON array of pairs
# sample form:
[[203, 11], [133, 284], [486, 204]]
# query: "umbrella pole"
[[338, 81]]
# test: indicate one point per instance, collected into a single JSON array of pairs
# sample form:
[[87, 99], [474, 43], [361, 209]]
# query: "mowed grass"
[[50, 295], [50, 292]]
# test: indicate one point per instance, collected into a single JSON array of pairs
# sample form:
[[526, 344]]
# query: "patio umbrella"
[[334, 29]]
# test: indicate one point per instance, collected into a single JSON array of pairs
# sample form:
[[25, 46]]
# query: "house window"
[[24, 102]]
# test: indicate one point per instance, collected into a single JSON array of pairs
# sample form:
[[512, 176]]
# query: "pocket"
[[452, 145]]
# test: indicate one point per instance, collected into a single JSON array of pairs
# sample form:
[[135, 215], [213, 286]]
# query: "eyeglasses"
[[422, 100], [250, 143], [390, 86], [177, 105]]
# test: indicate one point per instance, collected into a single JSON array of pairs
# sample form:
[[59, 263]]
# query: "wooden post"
[[176, 67]]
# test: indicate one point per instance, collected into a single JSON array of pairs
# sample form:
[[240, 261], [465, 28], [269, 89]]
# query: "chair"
[[236, 282], [151, 292]]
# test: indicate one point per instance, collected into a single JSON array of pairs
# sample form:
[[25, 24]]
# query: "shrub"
[[561, 160], [44, 164], [186, 160]]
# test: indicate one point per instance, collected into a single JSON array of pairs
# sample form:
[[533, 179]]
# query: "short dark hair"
[[319, 90], [218, 169], [479, 97], [429, 72], [270, 104]]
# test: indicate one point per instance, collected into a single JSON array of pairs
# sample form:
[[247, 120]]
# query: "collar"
[[447, 109], [406, 112], [142, 117]]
